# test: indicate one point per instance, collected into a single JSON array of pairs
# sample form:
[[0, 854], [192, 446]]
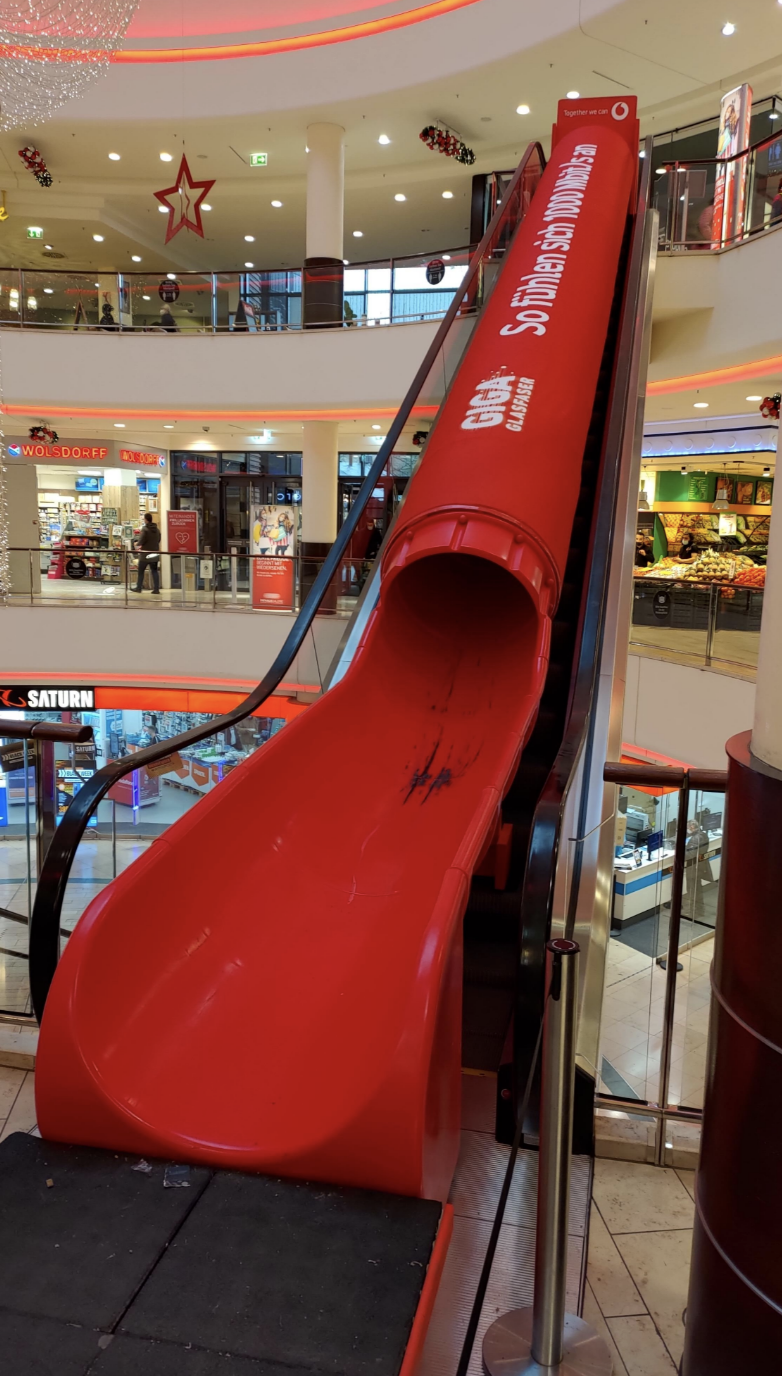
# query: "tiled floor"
[[633, 1016], [640, 1239]]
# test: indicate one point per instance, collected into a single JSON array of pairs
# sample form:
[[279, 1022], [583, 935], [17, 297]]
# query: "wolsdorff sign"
[[48, 699]]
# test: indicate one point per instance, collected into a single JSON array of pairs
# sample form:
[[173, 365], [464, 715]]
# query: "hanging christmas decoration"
[[441, 140], [44, 433], [184, 212], [53, 50], [35, 164], [769, 406]]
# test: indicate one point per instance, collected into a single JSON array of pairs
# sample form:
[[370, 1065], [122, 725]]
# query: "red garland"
[[440, 141], [34, 163], [769, 406]]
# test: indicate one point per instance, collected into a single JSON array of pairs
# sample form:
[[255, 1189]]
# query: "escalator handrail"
[[546, 830], [45, 922]]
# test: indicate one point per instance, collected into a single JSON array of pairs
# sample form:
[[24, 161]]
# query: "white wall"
[[23, 528], [684, 712], [263, 374], [714, 310], [139, 647]]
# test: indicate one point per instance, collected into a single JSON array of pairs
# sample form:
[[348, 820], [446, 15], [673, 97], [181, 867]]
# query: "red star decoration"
[[188, 209]]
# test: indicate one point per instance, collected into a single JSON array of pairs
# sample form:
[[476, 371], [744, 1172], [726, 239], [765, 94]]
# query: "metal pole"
[[710, 622], [669, 1007], [556, 1135], [45, 799], [531, 1342]]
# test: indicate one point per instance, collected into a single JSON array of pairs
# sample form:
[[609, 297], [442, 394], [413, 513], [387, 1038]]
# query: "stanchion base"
[[507, 1348]]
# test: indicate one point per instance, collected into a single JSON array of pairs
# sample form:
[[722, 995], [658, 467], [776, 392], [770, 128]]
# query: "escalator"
[[277, 985]]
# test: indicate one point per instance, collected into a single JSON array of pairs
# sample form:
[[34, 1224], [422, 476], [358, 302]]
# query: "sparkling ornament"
[[442, 141], [35, 164], [43, 432], [184, 207], [53, 50], [769, 406]]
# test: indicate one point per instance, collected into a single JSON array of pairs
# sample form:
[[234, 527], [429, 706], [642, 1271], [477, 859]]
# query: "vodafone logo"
[[620, 110]]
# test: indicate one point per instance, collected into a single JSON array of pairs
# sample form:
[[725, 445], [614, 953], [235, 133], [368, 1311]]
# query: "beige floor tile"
[[608, 1275], [641, 1348], [591, 1313], [11, 1081], [634, 1198], [22, 1116], [660, 1266]]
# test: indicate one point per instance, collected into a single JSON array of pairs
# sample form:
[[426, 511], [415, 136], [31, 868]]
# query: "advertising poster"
[[731, 184], [182, 532], [272, 545]]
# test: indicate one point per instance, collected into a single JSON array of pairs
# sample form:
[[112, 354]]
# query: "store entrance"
[[239, 494]]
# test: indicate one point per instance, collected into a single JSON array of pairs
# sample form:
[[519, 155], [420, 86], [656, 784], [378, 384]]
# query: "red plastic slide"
[[276, 984]]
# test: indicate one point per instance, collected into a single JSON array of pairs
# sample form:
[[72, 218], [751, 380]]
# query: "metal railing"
[[703, 623], [684, 194], [70, 575], [390, 291], [678, 869], [441, 364]]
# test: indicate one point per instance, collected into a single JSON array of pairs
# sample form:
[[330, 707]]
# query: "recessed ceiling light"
[[146, 298], [277, 205], [700, 405], [446, 257], [171, 276], [358, 233], [114, 157], [98, 238], [754, 398], [205, 206], [728, 29], [119, 425], [48, 291], [163, 209], [48, 246], [522, 109], [168, 427], [642, 153], [659, 171], [135, 258], [376, 427], [166, 157], [249, 265], [774, 114], [346, 262], [447, 195], [573, 95], [97, 284], [400, 196], [385, 139], [249, 238]]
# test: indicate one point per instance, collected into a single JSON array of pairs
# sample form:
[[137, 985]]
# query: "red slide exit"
[[276, 984]]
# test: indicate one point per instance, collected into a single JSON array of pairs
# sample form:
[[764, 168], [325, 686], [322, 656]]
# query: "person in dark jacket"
[[167, 321], [107, 321], [148, 545]]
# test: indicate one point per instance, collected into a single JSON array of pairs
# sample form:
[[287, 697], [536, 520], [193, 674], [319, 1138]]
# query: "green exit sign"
[[259, 159], [33, 232]]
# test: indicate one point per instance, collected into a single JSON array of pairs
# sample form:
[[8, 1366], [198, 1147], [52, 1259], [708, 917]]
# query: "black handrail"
[[45, 922], [64, 733], [546, 831]]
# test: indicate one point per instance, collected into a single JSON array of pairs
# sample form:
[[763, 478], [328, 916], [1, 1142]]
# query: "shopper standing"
[[148, 545]]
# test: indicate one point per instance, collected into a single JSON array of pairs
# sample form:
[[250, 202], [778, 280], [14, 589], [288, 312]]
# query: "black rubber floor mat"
[[32, 1346], [143, 1357], [309, 1276], [80, 1229]]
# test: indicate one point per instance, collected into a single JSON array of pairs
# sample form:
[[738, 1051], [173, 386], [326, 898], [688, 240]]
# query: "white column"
[[767, 727], [319, 473], [325, 190]]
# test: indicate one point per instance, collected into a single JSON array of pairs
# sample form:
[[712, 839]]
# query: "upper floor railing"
[[746, 190], [388, 291]]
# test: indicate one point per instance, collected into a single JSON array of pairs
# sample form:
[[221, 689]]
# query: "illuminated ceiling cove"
[[166, 30]]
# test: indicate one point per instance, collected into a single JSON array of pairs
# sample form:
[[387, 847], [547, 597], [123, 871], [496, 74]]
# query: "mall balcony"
[[390, 758]]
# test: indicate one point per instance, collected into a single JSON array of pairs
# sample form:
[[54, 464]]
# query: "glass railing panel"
[[672, 617], [632, 1020], [737, 614], [62, 300], [703, 860], [17, 868], [10, 296], [764, 203]]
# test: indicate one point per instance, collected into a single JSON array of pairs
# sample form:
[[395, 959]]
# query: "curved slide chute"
[[276, 985]]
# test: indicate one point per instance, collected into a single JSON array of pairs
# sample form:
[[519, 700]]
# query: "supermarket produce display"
[[303, 1013]]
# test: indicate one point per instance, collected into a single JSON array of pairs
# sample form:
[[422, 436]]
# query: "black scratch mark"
[[443, 778], [421, 777]]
